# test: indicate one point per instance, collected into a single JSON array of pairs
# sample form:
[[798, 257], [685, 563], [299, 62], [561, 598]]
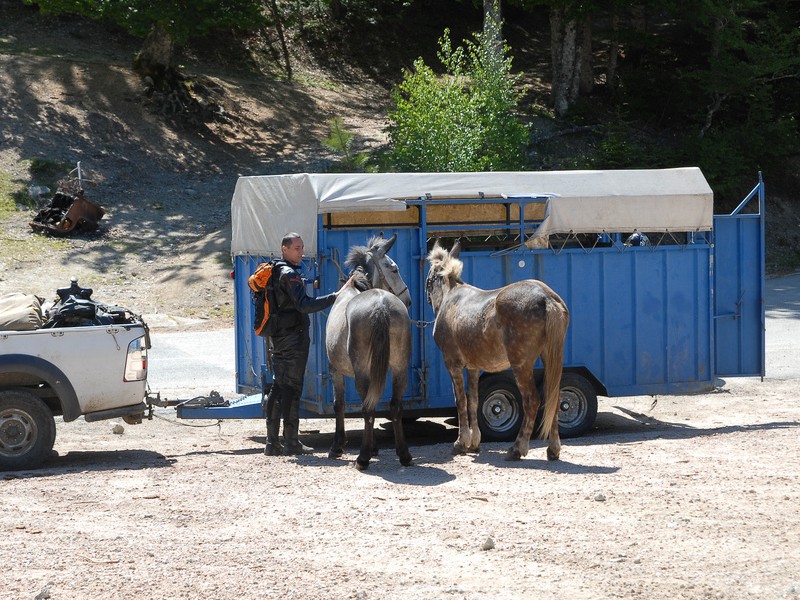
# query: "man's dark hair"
[[287, 239]]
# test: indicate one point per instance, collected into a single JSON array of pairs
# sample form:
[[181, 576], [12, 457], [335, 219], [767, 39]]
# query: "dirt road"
[[695, 497]]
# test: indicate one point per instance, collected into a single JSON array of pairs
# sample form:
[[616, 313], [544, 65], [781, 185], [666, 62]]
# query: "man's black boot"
[[292, 445], [291, 426], [273, 447], [273, 413]]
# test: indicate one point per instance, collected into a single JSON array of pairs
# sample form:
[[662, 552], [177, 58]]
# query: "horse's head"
[[445, 272], [381, 270]]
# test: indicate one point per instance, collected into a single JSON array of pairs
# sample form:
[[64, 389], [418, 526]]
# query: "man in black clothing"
[[290, 345]]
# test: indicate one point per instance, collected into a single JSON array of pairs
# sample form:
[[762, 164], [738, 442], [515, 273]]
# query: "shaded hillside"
[[70, 95]]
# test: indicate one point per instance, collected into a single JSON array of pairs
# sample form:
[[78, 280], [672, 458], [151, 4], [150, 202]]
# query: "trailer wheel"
[[499, 407], [577, 406], [27, 430]]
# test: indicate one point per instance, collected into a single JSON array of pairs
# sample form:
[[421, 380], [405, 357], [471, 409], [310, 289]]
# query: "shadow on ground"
[[94, 460]]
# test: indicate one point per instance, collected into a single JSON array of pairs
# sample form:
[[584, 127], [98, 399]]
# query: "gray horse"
[[492, 330], [368, 333]]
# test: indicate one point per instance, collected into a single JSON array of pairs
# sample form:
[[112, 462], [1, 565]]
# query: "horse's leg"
[[367, 443], [337, 446], [368, 447], [399, 383], [530, 405], [552, 382], [553, 360], [554, 447], [462, 442], [474, 444]]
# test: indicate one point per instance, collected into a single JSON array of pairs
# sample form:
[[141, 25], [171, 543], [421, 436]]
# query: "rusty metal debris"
[[69, 212]]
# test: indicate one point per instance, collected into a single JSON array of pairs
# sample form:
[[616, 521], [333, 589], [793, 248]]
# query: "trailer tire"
[[577, 409], [500, 410], [27, 430]]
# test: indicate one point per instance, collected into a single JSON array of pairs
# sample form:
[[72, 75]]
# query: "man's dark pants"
[[289, 358]]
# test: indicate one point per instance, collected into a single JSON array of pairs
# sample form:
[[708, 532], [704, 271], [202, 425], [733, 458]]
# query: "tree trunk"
[[493, 13], [613, 54], [276, 14], [156, 59], [570, 44], [585, 75], [562, 48], [635, 49]]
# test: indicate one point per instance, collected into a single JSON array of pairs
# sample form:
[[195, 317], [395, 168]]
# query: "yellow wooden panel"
[[437, 213]]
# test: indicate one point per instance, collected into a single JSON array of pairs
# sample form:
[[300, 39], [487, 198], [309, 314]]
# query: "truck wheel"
[[27, 430], [577, 406], [499, 407]]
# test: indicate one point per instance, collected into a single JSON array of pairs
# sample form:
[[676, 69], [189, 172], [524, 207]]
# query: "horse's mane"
[[360, 280], [357, 256], [447, 266]]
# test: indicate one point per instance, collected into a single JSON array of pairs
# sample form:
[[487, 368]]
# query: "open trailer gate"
[[662, 318], [739, 251]]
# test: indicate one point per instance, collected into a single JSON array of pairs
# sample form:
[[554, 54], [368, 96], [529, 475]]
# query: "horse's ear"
[[389, 243], [456, 249]]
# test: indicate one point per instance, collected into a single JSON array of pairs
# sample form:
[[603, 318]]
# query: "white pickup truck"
[[94, 368]]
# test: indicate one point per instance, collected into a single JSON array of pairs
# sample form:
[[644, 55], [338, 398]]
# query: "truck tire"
[[27, 430], [500, 411], [577, 406]]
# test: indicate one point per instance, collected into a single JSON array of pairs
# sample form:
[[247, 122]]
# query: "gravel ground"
[[693, 497]]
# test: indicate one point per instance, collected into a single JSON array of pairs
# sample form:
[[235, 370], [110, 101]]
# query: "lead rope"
[[342, 275]]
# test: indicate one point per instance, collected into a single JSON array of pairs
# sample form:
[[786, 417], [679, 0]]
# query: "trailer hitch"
[[213, 399]]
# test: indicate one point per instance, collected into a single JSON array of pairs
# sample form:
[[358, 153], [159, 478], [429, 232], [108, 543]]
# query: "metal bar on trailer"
[[423, 300], [759, 189]]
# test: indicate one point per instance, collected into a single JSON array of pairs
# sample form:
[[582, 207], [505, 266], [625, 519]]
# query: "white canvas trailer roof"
[[264, 208]]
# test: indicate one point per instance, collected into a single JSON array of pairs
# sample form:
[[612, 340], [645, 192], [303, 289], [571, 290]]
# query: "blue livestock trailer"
[[664, 296]]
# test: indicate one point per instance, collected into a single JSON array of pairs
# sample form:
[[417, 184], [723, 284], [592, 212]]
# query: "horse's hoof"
[[552, 455], [335, 454], [459, 448], [361, 466], [513, 454], [406, 460]]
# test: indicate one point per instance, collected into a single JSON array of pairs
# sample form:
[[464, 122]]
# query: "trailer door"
[[739, 291]]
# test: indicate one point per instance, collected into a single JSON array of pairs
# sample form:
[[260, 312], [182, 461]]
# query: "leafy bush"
[[465, 120]]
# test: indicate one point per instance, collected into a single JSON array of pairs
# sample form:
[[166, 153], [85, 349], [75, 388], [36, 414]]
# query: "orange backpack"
[[263, 296]]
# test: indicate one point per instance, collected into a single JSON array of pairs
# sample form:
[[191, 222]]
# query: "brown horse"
[[492, 330]]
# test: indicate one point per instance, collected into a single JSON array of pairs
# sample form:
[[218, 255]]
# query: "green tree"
[[724, 78], [465, 120], [340, 141]]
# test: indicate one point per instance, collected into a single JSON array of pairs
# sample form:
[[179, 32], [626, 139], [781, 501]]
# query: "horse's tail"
[[553, 358], [380, 353]]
